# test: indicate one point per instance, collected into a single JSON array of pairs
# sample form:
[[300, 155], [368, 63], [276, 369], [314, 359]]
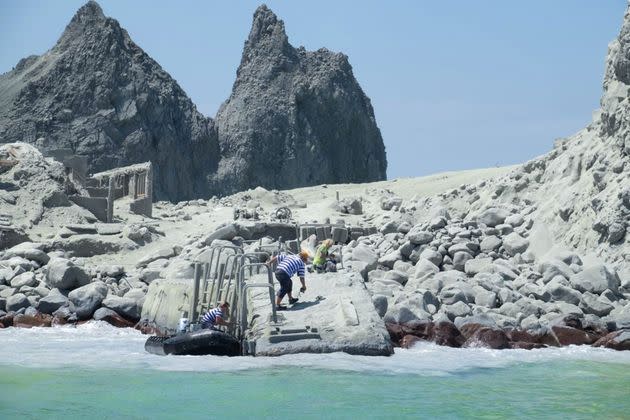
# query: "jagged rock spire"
[[87, 18], [295, 117], [267, 29]]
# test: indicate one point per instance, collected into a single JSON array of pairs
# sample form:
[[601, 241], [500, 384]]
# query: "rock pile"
[[539, 256], [40, 287], [475, 282], [34, 189]]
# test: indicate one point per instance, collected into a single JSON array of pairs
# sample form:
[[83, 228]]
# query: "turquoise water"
[[100, 372]]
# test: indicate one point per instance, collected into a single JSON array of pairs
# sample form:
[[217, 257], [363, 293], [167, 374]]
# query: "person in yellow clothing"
[[324, 261]]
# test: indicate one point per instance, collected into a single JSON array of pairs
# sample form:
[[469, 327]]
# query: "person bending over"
[[289, 265], [324, 261], [216, 316]]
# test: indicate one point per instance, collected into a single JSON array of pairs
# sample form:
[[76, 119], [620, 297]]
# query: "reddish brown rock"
[[409, 341], [569, 335], [572, 321], [492, 338], [548, 338], [145, 328], [523, 336], [29, 321], [469, 330], [446, 334], [395, 331], [523, 345], [118, 321], [7, 320], [420, 328], [616, 340], [59, 320]]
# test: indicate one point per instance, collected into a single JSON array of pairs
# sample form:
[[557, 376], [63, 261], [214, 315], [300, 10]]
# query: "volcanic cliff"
[[295, 118]]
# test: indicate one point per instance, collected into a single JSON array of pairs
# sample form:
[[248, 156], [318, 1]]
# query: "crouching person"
[[216, 316]]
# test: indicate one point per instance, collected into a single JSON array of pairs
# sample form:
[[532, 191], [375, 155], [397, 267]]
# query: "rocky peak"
[[295, 117], [615, 102], [267, 43], [267, 29], [88, 19], [620, 59]]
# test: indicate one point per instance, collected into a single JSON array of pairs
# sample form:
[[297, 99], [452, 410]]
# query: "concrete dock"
[[334, 314]]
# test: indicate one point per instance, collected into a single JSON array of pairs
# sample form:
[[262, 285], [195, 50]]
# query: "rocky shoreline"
[[531, 256]]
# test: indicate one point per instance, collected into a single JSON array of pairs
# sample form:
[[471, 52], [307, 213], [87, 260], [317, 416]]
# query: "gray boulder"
[[29, 250], [227, 233], [596, 279], [417, 236], [389, 259], [401, 314], [457, 310], [552, 267], [397, 276], [515, 244], [127, 307], [53, 301], [423, 271], [16, 302], [492, 216], [388, 203], [484, 297], [490, 243], [63, 274], [380, 304], [364, 259], [514, 220], [178, 268], [479, 265], [457, 292], [460, 259], [593, 304], [88, 298], [561, 292], [431, 255], [24, 279]]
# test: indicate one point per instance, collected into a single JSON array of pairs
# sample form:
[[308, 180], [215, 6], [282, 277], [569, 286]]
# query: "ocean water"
[[97, 371]]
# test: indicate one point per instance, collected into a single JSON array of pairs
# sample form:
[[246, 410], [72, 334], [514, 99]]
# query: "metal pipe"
[[195, 296]]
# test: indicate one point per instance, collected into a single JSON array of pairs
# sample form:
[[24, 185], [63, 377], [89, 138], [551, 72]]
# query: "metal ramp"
[[227, 275]]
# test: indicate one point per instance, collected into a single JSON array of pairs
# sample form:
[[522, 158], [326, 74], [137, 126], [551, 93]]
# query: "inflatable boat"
[[195, 343]]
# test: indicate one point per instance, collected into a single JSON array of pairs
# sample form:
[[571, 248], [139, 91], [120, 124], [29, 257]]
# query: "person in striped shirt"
[[215, 316], [288, 265]]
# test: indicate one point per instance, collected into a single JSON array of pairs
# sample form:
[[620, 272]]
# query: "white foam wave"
[[97, 345]]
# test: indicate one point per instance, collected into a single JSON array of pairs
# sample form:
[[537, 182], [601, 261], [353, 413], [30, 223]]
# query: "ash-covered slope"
[[99, 94], [577, 195], [295, 117]]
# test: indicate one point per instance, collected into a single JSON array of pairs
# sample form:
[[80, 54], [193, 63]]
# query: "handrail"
[[243, 297], [228, 283]]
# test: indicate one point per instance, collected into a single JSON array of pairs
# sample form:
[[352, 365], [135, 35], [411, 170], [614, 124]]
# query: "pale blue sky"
[[455, 84]]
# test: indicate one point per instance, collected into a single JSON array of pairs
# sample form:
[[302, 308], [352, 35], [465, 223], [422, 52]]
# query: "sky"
[[455, 84]]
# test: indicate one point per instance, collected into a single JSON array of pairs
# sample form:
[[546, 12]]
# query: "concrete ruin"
[[76, 165], [98, 192], [134, 181]]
